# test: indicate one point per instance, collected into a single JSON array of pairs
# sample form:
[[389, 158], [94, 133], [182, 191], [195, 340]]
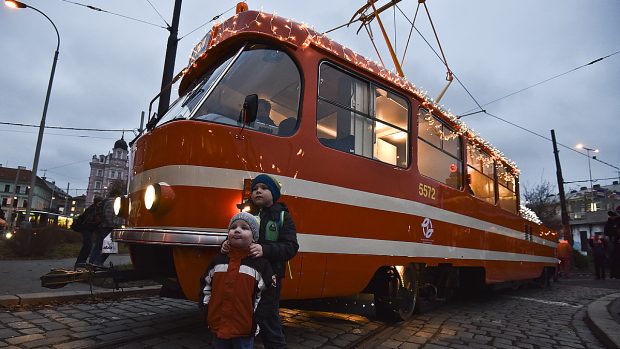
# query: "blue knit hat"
[[271, 183], [249, 219]]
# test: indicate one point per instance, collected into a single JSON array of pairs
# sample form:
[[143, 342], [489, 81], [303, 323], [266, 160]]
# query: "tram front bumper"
[[170, 236]]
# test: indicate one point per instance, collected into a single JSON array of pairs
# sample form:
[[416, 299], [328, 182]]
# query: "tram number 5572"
[[426, 190]]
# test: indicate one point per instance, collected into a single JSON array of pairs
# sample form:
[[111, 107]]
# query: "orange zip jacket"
[[232, 287]]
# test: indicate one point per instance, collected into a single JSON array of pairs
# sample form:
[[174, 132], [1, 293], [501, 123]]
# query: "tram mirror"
[[250, 108]]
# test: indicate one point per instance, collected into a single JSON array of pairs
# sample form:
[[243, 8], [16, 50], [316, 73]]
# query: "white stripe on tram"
[[202, 176], [349, 245]]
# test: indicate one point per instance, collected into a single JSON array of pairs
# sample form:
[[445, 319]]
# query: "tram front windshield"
[[183, 106], [256, 69]]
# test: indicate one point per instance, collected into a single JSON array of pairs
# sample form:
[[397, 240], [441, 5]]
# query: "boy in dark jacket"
[[234, 284], [278, 243]]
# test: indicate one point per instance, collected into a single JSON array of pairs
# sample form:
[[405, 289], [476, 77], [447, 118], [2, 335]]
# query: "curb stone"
[[604, 327], [46, 297]]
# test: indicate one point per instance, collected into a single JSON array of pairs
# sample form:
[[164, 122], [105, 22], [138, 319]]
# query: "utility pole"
[[171, 51], [564, 213], [64, 211], [14, 199]]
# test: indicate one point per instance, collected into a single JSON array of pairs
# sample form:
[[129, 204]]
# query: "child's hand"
[[225, 247], [256, 250]]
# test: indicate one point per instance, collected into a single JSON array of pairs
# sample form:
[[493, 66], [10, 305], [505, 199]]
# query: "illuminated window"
[[481, 174], [361, 118], [439, 151], [506, 189]]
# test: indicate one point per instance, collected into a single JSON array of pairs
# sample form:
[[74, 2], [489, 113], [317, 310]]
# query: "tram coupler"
[[60, 277]]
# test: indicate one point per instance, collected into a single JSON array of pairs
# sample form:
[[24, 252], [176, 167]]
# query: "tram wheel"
[[544, 280], [397, 297], [408, 294]]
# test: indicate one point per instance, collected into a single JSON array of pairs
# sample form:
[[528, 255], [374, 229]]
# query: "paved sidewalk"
[[603, 317], [23, 276]]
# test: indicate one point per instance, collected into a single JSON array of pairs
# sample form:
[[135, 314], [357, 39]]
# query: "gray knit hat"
[[248, 218]]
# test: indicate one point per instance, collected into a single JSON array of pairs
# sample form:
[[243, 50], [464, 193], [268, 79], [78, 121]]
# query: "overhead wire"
[[593, 180], [159, 14], [66, 128], [97, 9], [56, 134], [549, 139], [482, 110], [71, 163], [547, 80], [215, 18]]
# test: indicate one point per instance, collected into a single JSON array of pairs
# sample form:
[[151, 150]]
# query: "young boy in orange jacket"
[[234, 284]]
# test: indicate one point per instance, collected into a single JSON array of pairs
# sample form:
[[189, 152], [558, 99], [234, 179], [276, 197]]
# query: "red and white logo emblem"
[[427, 228]]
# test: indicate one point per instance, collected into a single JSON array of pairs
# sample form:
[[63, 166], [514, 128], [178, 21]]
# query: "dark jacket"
[[278, 252], [598, 248], [231, 288]]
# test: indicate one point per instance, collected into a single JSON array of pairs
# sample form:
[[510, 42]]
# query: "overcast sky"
[[110, 68]]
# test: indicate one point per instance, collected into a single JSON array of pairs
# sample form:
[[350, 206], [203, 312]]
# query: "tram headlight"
[[121, 206], [150, 196], [158, 196]]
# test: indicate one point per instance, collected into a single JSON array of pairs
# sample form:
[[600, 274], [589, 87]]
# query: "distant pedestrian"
[[565, 252], [87, 229], [598, 246], [3, 225], [612, 231], [110, 222], [234, 284]]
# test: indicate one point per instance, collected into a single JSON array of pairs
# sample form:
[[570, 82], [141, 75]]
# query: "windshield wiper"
[[191, 96]]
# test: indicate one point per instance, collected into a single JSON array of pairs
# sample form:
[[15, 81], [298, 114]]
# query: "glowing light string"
[[300, 35]]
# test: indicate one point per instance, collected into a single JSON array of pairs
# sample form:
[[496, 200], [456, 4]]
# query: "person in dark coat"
[[277, 242], [110, 222], [612, 231], [598, 246], [87, 239]]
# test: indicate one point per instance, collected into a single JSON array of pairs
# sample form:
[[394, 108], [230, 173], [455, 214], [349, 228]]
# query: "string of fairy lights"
[[301, 35]]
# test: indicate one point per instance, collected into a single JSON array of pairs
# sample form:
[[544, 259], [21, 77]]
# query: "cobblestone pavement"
[[533, 318]]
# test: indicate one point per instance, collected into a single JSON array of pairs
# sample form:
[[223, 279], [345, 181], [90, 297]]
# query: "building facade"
[[587, 210], [105, 169], [14, 188]]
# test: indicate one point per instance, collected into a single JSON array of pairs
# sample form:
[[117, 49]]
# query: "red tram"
[[390, 193]]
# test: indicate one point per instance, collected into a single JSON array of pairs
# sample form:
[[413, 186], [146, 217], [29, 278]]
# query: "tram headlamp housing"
[[158, 196], [121, 206]]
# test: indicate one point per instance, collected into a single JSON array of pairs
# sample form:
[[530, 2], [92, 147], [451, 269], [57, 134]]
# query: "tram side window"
[[269, 73], [358, 117], [439, 151], [507, 184], [480, 174]]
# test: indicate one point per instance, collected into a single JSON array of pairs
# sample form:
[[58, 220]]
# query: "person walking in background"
[[234, 284], [612, 231], [3, 225], [598, 246], [86, 224], [109, 222], [565, 252]]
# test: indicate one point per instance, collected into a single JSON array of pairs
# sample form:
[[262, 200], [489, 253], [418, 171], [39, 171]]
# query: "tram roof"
[[300, 35]]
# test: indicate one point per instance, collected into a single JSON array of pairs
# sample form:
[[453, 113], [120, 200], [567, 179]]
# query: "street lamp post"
[[588, 150], [35, 164]]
